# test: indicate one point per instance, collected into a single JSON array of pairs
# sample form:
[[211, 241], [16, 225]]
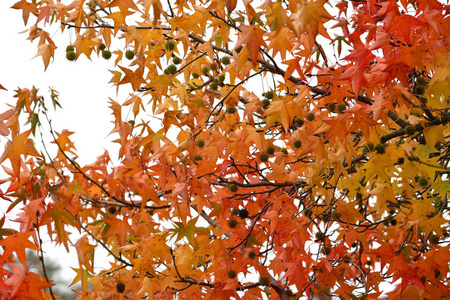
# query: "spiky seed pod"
[[335, 215], [326, 217], [410, 129], [213, 67], [235, 211], [176, 60], [129, 54], [434, 239], [423, 100], [326, 250], [270, 150], [71, 56], [70, 48], [320, 235], [297, 144], [214, 86], [299, 122], [264, 156], [205, 70], [226, 60], [421, 80], [380, 148], [170, 45], [106, 54], [232, 187], [232, 223], [120, 287], [264, 280], [341, 107], [102, 47], [112, 210], [269, 95], [231, 273], [265, 103], [171, 69], [284, 150], [221, 78], [243, 213], [368, 147], [307, 212], [393, 222], [419, 89], [331, 106], [252, 254], [231, 110], [423, 182], [310, 116], [195, 75], [201, 143]]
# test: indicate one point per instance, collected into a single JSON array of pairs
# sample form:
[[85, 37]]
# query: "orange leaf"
[[26, 8], [252, 37], [134, 78], [26, 284], [120, 227], [4, 130], [19, 145], [311, 16], [18, 243], [231, 5]]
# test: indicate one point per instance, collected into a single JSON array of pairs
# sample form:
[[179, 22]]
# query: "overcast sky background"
[[84, 91], [83, 85]]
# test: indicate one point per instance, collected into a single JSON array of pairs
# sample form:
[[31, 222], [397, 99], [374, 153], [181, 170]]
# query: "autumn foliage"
[[303, 149]]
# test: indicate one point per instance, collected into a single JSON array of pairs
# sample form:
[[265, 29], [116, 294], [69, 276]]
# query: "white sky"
[[84, 91], [83, 85]]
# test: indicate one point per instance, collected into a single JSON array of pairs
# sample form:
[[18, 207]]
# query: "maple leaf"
[[124, 4], [310, 17], [17, 243], [64, 142], [4, 130], [252, 37], [188, 231], [280, 43], [119, 227], [84, 45], [133, 78], [26, 284], [20, 145], [119, 18], [157, 9], [47, 51], [26, 8]]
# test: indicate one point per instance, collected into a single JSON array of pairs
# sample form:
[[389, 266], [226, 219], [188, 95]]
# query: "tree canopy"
[[269, 149]]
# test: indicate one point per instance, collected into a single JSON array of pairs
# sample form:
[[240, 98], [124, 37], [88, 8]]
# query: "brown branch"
[[100, 242], [41, 258], [278, 288], [124, 203]]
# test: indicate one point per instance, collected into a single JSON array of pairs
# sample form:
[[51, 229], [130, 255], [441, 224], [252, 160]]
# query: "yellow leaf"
[[311, 16], [434, 134], [279, 107]]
